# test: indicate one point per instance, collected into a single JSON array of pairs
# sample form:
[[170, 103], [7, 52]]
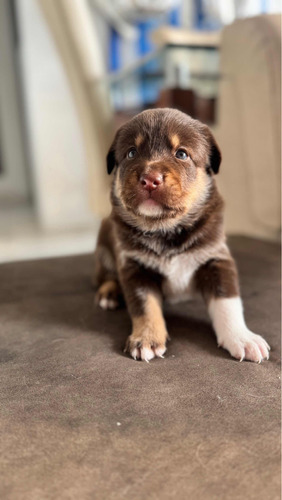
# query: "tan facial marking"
[[139, 139], [174, 139], [197, 189]]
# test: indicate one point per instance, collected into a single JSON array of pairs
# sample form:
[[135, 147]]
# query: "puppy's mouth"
[[150, 207]]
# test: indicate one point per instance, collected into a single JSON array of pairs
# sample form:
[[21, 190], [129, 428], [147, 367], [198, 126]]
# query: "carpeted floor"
[[81, 420]]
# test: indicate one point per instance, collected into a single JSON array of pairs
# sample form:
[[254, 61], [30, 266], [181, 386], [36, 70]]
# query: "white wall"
[[59, 171], [14, 187]]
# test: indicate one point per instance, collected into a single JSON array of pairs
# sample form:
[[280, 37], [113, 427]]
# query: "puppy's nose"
[[151, 181]]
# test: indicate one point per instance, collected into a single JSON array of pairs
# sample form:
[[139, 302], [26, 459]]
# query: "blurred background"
[[72, 71]]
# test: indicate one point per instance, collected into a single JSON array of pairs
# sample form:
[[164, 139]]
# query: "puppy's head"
[[164, 163]]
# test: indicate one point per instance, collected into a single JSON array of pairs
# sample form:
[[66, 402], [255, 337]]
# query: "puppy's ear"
[[111, 160], [111, 156], [214, 153]]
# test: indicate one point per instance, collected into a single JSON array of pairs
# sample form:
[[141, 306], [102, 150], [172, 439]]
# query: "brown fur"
[[150, 254]]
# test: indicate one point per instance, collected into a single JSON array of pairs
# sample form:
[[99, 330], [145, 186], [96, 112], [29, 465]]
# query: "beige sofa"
[[248, 128]]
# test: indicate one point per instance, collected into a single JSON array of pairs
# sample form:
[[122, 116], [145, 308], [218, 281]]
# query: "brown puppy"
[[164, 238]]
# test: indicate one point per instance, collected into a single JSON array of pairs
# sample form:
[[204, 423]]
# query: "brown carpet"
[[81, 420]]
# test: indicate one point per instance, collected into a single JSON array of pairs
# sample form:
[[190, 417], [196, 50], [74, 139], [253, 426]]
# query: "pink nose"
[[151, 181]]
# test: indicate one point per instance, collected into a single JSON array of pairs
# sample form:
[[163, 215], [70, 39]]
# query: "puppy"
[[164, 239]]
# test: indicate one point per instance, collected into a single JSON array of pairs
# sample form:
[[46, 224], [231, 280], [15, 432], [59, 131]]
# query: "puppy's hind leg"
[[109, 295], [105, 279]]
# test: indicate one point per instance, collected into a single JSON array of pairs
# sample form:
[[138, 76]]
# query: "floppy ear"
[[111, 160], [214, 154], [111, 156]]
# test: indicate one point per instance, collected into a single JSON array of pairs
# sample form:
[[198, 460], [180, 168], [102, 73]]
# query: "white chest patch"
[[179, 273]]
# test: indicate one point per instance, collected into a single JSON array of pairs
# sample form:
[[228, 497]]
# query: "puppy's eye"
[[132, 153], [181, 154]]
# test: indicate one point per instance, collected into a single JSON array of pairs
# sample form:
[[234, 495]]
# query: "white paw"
[[145, 353], [106, 303], [246, 345]]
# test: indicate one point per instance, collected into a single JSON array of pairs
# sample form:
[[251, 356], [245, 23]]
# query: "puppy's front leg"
[[218, 282], [143, 297]]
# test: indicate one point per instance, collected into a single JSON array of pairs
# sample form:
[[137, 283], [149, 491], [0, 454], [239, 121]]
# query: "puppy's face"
[[165, 161]]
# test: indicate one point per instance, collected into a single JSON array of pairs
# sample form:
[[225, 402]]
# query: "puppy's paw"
[[109, 295], [247, 345], [144, 349]]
